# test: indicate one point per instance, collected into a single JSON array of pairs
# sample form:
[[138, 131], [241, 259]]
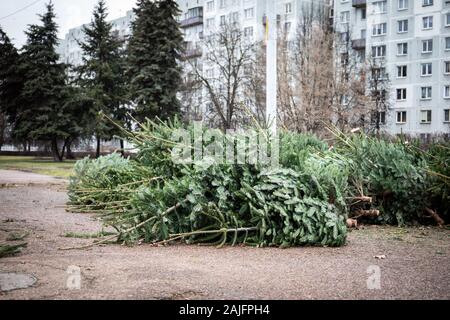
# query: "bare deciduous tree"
[[323, 77], [378, 86], [305, 72], [349, 83], [255, 86], [227, 60]]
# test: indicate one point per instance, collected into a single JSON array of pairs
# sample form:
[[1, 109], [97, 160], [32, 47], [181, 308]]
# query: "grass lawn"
[[39, 165]]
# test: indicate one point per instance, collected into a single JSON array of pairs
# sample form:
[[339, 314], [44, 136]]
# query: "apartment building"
[[201, 18], [69, 50], [412, 37]]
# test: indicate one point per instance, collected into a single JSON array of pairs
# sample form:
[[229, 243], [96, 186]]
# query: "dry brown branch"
[[433, 214]]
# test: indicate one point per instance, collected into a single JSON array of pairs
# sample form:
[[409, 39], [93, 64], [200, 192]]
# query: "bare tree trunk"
[[55, 151], [97, 154], [69, 154], [63, 151], [122, 147]]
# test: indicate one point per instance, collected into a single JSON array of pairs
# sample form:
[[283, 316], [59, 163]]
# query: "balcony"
[[190, 22], [191, 53], [359, 44], [359, 3]]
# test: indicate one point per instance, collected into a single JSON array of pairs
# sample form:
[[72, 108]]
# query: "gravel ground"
[[416, 265]]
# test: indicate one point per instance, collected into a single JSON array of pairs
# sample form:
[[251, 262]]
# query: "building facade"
[[69, 50], [200, 19], [412, 38]]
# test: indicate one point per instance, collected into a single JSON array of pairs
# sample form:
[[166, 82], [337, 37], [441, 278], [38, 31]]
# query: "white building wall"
[[249, 14], [414, 12], [71, 53]]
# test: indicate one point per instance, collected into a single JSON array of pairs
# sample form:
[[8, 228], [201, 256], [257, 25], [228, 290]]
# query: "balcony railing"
[[192, 53], [359, 44], [193, 21], [359, 3]]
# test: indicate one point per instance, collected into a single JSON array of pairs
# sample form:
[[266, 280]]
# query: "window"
[[447, 19], [427, 23], [446, 92], [210, 6], [447, 115], [425, 116], [345, 100], [223, 20], [426, 93], [426, 3], [223, 4], [402, 26], [345, 17], [402, 71], [447, 43], [379, 117], [380, 6], [210, 73], [249, 13], [287, 27], [210, 23], [363, 14], [344, 59], [402, 49], [363, 33], [401, 94], [427, 46], [379, 73], [382, 115], [378, 51], [446, 67], [401, 117], [210, 107], [288, 7], [379, 29], [235, 17], [402, 4], [248, 32], [427, 69]]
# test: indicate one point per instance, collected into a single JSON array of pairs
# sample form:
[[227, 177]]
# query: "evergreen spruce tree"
[[11, 83], [101, 74], [153, 70], [42, 116]]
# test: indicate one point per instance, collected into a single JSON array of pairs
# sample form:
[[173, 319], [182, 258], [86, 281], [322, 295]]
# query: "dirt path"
[[416, 266], [20, 178]]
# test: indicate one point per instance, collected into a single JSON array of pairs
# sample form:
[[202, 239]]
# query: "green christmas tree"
[[42, 116], [101, 74], [11, 83], [153, 70]]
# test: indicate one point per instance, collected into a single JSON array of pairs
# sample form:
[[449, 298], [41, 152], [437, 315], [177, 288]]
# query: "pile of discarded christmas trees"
[[312, 197]]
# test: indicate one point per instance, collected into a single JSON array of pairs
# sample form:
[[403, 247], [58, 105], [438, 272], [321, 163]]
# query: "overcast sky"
[[70, 14]]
